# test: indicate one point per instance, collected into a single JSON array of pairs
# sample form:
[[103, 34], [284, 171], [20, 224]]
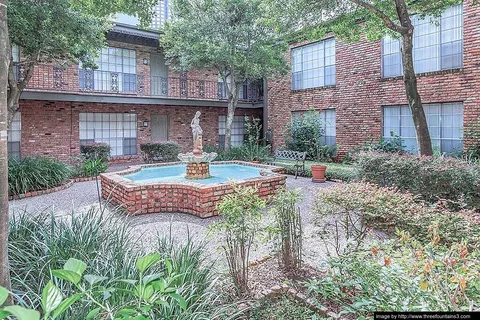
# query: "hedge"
[[432, 178], [160, 151]]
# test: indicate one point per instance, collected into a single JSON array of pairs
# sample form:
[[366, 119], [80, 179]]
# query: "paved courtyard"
[[82, 195]]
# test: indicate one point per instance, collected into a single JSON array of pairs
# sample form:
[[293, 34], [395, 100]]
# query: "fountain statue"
[[198, 166]]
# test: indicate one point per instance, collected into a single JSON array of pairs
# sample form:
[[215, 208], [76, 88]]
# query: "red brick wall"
[[51, 128], [360, 92]]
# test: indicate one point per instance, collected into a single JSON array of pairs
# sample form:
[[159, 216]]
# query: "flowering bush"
[[402, 275], [431, 178], [387, 208]]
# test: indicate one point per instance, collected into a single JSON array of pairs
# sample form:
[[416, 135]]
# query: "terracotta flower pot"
[[318, 173]]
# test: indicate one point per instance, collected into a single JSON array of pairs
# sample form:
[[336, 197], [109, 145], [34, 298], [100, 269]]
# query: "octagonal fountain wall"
[[193, 197]]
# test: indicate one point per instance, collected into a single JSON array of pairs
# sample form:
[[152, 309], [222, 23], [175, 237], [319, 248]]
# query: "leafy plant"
[[40, 243], [255, 152], [402, 274], [387, 208], [93, 167], [96, 151], [160, 151], [282, 308], [394, 144], [472, 140], [242, 213], [33, 174], [432, 178], [305, 133], [288, 227]]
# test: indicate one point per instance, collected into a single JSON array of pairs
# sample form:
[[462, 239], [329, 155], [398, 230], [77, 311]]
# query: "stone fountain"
[[198, 162]]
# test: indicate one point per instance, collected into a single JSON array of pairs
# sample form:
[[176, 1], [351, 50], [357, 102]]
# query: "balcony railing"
[[73, 80]]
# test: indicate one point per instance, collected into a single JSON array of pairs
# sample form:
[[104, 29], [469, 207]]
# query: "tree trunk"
[[4, 64], [233, 91], [414, 100], [410, 80]]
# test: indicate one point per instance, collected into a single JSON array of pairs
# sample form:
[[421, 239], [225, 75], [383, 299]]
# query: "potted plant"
[[318, 173]]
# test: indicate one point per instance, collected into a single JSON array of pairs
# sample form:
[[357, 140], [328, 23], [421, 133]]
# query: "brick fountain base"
[[197, 171]]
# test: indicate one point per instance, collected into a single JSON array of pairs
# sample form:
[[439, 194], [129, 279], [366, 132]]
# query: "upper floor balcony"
[[56, 79]]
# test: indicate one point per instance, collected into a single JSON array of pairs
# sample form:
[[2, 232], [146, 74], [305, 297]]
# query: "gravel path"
[[83, 195]]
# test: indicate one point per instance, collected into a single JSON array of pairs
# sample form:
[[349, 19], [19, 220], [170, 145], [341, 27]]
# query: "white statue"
[[197, 134]]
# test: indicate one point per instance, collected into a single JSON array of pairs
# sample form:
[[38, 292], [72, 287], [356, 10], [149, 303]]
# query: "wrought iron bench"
[[298, 157]]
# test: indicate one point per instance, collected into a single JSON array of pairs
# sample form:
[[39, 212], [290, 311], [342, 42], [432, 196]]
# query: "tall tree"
[[4, 62], [352, 19], [60, 31], [45, 31], [229, 35]]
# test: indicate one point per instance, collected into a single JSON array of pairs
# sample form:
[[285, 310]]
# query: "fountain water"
[[198, 162]]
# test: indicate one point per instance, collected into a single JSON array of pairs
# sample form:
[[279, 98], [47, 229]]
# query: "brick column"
[[197, 171]]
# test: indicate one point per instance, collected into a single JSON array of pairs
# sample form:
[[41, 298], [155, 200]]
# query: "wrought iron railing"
[[72, 79]]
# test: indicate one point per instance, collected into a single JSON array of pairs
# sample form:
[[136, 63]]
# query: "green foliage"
[[160, 151], [288, 228], [64, 30], [226, 34], [40, 244], [305, 133], [93, 167], [255, 152], [401, 275], [387, 208], [392, 145], [33, 174], [283, 308], [431, 178], [95, 151], [242, 214], [472, 137]]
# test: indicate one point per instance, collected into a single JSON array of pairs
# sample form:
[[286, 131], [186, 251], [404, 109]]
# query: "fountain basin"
[[164, 187]]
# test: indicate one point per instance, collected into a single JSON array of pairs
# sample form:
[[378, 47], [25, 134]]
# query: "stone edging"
[[51, 190], [277, 290]]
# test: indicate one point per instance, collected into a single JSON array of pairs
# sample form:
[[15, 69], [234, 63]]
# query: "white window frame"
[[437, 35], [313, 65], [445, 123], [238, 130], [14, 137], [119, 130]]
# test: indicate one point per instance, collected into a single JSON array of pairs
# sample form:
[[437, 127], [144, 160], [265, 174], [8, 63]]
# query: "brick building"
[[133, 97], [358, 87]]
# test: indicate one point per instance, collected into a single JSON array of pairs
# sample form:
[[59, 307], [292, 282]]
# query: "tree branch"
[[386, 19]]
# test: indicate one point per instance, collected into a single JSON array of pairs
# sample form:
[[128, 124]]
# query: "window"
[[327, 118], [223, 93], [116, 72], [238, 130], [16, 62], [313, 65], [437, 45], [119, 130], [445, 123], [15, 136]]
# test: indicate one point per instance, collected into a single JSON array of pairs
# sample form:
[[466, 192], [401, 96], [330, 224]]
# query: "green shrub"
[[39, 244], [401, 275], [305, 133], [394, 144], [387, 208], [242, 213], [432, 178], [160, 151], [96, 151], [472, 139], [34, 174], [287, 230]]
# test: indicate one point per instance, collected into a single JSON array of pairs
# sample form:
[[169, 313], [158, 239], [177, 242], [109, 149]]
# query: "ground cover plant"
[[430, 263], [40, 244], [431, 178], [33, 174], [282, 308]]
